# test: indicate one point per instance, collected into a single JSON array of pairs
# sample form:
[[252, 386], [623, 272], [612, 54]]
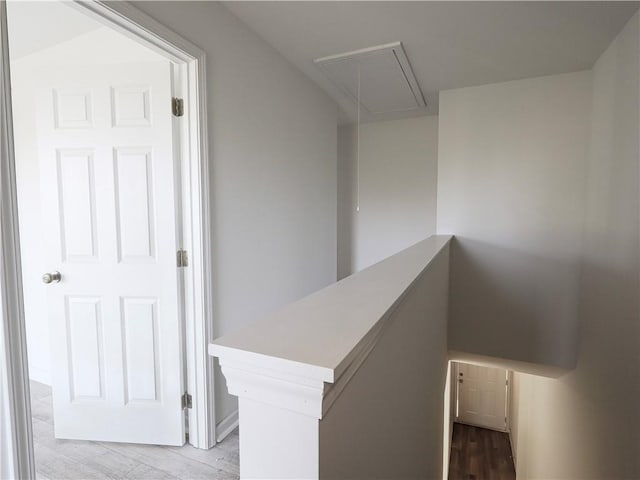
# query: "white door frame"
[[196, 231], [16, 455]]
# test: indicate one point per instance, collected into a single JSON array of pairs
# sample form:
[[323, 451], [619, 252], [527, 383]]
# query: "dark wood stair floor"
[[480, 454]]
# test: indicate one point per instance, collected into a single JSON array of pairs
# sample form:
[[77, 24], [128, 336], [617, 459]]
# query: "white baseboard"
[[226, 426], [40, 375]]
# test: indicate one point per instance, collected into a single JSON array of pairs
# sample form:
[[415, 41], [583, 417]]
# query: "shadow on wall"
[[590, 414], [512, 304], [609, 333]]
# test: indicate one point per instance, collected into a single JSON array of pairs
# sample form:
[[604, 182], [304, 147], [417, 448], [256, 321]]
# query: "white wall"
[[511, 170], [586, 425], [98, 47], [273, 147], [398, 175], [31, 245]]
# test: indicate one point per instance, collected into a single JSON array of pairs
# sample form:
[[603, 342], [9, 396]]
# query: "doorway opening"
[[479, 422], [482, 396], [112, 202]]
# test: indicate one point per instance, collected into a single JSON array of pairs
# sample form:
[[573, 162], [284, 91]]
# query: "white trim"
[[19, 453], [227, 425], [357, 55], [127, 19], [297, 394], [507, 408], [513, 451], [456, 388]]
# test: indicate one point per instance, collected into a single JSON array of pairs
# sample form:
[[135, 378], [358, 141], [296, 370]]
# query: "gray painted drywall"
[[397, 187], [511, 170], [586, 424], [346, 214], [388, 421], [273, 149]]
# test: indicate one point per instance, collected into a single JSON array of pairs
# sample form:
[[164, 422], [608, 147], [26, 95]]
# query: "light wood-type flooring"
[[70, 459], [480, 454]]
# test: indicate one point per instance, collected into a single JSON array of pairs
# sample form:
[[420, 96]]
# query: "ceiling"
[[55, 22], [449, 44]]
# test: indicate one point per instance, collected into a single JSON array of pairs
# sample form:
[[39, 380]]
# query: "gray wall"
[[273, 147], [511, 169], [586, 424], [398, 177], [388, 421]]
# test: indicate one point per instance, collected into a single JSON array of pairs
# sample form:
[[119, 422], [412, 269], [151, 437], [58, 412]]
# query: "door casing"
[[16, 448], [195, 209]]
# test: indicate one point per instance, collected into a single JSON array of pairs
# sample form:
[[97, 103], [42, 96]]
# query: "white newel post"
[[279, 413]]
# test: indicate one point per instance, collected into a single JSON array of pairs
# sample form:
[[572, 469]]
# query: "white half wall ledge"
[[300, 357], [300, 373]]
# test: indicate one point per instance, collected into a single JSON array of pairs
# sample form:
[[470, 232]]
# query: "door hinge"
[[187, 401], [177, 106], [182, 258]]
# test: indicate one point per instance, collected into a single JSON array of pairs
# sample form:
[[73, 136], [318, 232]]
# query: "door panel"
[[134, 205], [140, 318], [482, 394], [85, 353], [109, 210], [75, 180]]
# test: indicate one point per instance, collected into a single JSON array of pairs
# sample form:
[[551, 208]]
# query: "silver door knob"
[[53, 277]]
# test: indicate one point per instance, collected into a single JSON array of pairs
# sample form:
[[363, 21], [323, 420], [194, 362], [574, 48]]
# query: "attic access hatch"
[[387, 82]]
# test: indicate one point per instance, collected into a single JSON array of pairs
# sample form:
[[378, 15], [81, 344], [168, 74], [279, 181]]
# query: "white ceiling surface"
[[34, 26], [449, 44]]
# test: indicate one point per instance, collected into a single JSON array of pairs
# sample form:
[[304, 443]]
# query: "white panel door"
[[109, 212], [482, 396]]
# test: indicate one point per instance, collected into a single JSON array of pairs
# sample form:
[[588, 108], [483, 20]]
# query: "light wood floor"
[[70, 459], [480, 454]]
